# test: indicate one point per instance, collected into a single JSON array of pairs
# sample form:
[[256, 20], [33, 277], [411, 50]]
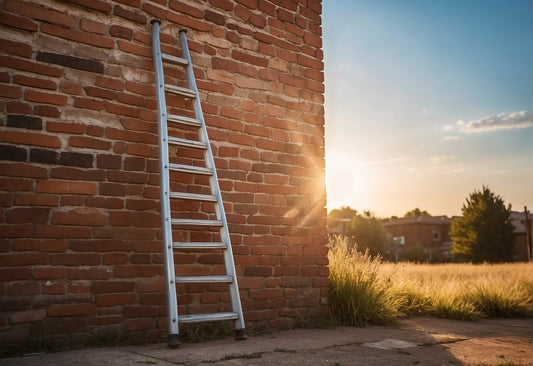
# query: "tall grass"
[[364, 289]]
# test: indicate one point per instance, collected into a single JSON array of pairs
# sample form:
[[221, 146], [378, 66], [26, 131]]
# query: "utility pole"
[[528, 242]]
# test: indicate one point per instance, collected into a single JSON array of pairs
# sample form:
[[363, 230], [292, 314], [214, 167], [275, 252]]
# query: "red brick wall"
[[80, 237]]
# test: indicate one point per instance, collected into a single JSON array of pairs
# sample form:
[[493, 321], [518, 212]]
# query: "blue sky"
[[427, 101]]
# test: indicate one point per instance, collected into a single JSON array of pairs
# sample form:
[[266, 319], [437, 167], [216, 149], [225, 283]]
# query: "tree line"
[[484, 232]]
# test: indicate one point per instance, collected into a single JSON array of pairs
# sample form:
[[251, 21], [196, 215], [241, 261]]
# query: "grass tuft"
[[365, 290]]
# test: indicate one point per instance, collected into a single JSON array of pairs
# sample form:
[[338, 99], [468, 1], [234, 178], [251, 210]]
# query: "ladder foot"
[[240, 335], [173, 341]]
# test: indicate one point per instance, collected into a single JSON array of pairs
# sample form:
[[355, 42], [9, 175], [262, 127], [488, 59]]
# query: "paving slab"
[[412, 341]]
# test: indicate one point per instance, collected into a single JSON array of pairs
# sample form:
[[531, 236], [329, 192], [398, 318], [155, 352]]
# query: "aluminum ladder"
[[165, 167]]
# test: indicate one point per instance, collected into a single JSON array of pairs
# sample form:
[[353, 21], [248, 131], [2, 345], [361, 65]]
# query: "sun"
[[345, 181]]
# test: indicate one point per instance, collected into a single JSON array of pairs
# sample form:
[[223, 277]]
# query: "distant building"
[[522, 236], [433, 233], [430, 232]]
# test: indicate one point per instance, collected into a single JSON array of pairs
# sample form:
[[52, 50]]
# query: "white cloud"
[[501, 121], [451, 138], [448, 127], [441, 158]]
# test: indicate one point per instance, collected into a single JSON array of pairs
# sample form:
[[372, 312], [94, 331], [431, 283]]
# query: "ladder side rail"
[[213, 179], [164, 184]]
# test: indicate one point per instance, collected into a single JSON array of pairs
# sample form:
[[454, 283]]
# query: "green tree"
[[345, 212], [416, 212], [368, 233], [484, 232]]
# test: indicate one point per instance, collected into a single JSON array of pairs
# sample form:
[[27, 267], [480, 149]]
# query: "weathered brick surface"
[[80, 237]]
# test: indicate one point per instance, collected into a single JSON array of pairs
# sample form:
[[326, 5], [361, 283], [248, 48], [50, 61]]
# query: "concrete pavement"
[[413, 341]]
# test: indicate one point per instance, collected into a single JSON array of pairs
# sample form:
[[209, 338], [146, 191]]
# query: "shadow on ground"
[[414, 341]]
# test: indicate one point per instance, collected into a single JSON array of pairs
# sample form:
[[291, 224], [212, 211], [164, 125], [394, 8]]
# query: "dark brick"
[[121, 32], [22, 121], [8, 152], [215, 17], [44, 156], [76, 159], [71, 61]]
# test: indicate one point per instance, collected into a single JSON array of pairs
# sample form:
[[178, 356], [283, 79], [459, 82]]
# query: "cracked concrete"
[[413, 341]]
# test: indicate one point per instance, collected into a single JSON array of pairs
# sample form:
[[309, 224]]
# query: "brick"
[[80, 217], [14, 274], [99, 5], [131, 271], [10, 91], [13, 153], [180, 7], [130, 15], [88, 273], [25, 65], [72, 62], [65, 187], [35, 82], [78, 288], [15, 48], [62, 127], [47, 111], [71, 310], [140, 311], [18, 22], [26, 259], [22, 170], [17, 215], [159, 13], [109, 83], [70, 87], [85, 259], [18, 107], [99, 92], [116, 299], [109, 161], [100, 245], [88, 142], [79, 36], [28, 316], [88, 104], [76, 159], [23, 121], [37, 12], [78, 174], [48, 98], [248, 58], [126, 177], [99, 287], [222, 4], [62, 232], [214, 17], [92, 26], [53, 245], [115, 258]]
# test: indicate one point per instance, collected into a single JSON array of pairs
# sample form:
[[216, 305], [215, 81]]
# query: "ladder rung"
[[198, 245], [197, 318], [184, 120], [193, 196], [190, 169], [188, 143], [204, 279], [174, 59], [194, 222], [185, 92]]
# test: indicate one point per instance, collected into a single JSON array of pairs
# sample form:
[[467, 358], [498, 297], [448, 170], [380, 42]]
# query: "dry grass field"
[[366, 290]]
